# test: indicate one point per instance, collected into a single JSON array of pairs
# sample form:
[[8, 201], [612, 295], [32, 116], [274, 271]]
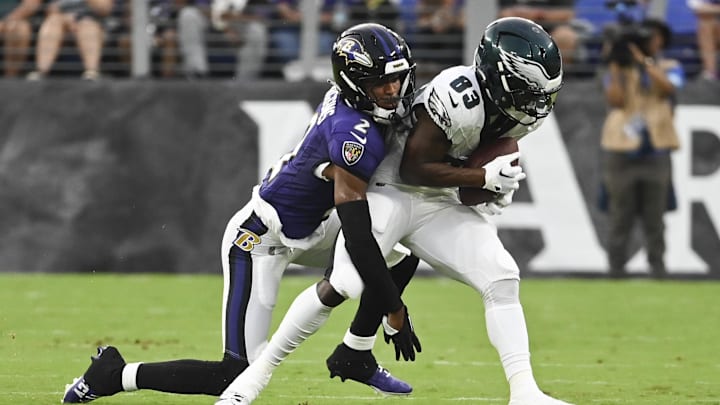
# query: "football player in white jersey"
[[413, 200]]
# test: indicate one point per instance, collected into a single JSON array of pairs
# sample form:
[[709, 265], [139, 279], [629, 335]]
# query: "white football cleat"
[[538, 399], [235, 399]]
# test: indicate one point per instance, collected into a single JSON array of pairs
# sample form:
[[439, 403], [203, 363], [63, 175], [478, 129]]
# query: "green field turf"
[[593, 342]]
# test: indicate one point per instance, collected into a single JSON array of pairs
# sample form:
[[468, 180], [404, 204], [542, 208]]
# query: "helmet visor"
[[536, 104], [528, 103], [386, 106]]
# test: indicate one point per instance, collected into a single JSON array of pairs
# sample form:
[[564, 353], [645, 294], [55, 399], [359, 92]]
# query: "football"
[[483, 155]]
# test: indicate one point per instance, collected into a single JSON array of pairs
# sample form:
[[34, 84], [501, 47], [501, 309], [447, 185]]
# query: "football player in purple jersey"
[[507, 92], [294, 216]]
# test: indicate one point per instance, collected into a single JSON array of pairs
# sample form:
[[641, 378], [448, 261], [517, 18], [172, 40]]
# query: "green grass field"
[[593, 342]]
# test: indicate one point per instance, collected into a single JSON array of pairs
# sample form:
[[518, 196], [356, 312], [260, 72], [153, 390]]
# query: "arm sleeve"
[[367, 256]]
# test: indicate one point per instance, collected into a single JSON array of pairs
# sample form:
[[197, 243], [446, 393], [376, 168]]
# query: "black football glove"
[[405, 340]]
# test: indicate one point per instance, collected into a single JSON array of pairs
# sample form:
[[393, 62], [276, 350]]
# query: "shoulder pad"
[[453, 99]]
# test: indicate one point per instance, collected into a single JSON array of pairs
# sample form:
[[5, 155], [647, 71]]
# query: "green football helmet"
[[520, 68]]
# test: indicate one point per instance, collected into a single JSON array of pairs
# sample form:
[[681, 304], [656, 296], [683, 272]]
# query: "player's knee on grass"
[[327, 294]]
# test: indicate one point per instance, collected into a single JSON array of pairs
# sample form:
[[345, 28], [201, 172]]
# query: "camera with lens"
[[628, 30]]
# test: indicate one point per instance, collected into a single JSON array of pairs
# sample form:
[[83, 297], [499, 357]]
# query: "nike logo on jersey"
[[362, 140], [452, 100]]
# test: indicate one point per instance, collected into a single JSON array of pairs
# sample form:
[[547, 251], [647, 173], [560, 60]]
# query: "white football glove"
[[489, 208], [505, 199], [495, 207], [501, 176]]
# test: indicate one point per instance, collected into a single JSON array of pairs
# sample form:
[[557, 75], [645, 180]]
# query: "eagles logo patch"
[[352, 152], [437, 110], [353, 51]]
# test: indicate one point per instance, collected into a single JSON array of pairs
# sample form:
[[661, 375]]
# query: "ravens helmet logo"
[[353, 51]]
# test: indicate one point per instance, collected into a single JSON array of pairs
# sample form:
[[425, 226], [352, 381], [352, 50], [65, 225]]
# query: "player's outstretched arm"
[[354, 213]]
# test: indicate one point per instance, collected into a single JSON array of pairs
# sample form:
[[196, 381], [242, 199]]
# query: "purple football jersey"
[[337, 134]]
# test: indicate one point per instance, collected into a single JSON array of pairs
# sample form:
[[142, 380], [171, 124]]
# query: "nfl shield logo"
[[352, 152]]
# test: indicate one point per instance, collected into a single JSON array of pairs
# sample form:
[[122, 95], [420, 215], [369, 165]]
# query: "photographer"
[[637, 138]]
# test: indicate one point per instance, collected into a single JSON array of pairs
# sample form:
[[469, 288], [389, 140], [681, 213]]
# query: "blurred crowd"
[[248, 39]]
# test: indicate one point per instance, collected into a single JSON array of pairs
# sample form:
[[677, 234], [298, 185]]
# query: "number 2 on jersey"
[[361, 127]]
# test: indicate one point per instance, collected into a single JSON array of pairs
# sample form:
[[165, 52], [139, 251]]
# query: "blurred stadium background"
[[137, 172], [134, 45]]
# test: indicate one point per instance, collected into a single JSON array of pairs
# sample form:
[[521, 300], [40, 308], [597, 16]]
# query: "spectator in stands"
[[162, 35], [285, 34], [439, 34], [407, 18], [244, 23], [637, 138], [192, 26], [383, 12], [83, 18], [177, 28], [16, 32], [708, 34], [555, 16]]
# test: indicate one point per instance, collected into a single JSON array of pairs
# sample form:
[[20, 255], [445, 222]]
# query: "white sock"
[[129, 376], [523, 385], [362, 343], [304, 317], [508, 334]]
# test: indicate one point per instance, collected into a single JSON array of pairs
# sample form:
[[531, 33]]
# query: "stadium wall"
[[138, 176]]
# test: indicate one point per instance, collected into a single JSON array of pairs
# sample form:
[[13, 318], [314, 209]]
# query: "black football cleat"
[[103, 378]]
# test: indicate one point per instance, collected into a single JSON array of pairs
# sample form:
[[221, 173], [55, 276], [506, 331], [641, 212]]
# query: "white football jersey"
[[454, 102]]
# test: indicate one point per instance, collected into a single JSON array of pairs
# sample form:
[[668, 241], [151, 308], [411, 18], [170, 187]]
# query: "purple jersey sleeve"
[[339, 135], [356, 144]]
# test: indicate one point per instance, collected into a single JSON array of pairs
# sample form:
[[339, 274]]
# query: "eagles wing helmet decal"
[[352, 152], [353, 51], [529, 71]]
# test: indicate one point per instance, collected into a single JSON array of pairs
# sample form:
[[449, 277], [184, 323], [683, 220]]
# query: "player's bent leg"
[[480, 260], [353, 359], [103, 378], [507, 331], [305, 316], [190, 376], [108, 374], [368, 316]]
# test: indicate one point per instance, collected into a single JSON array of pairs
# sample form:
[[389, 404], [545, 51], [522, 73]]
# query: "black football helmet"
[[369, 54], [520, 68]]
